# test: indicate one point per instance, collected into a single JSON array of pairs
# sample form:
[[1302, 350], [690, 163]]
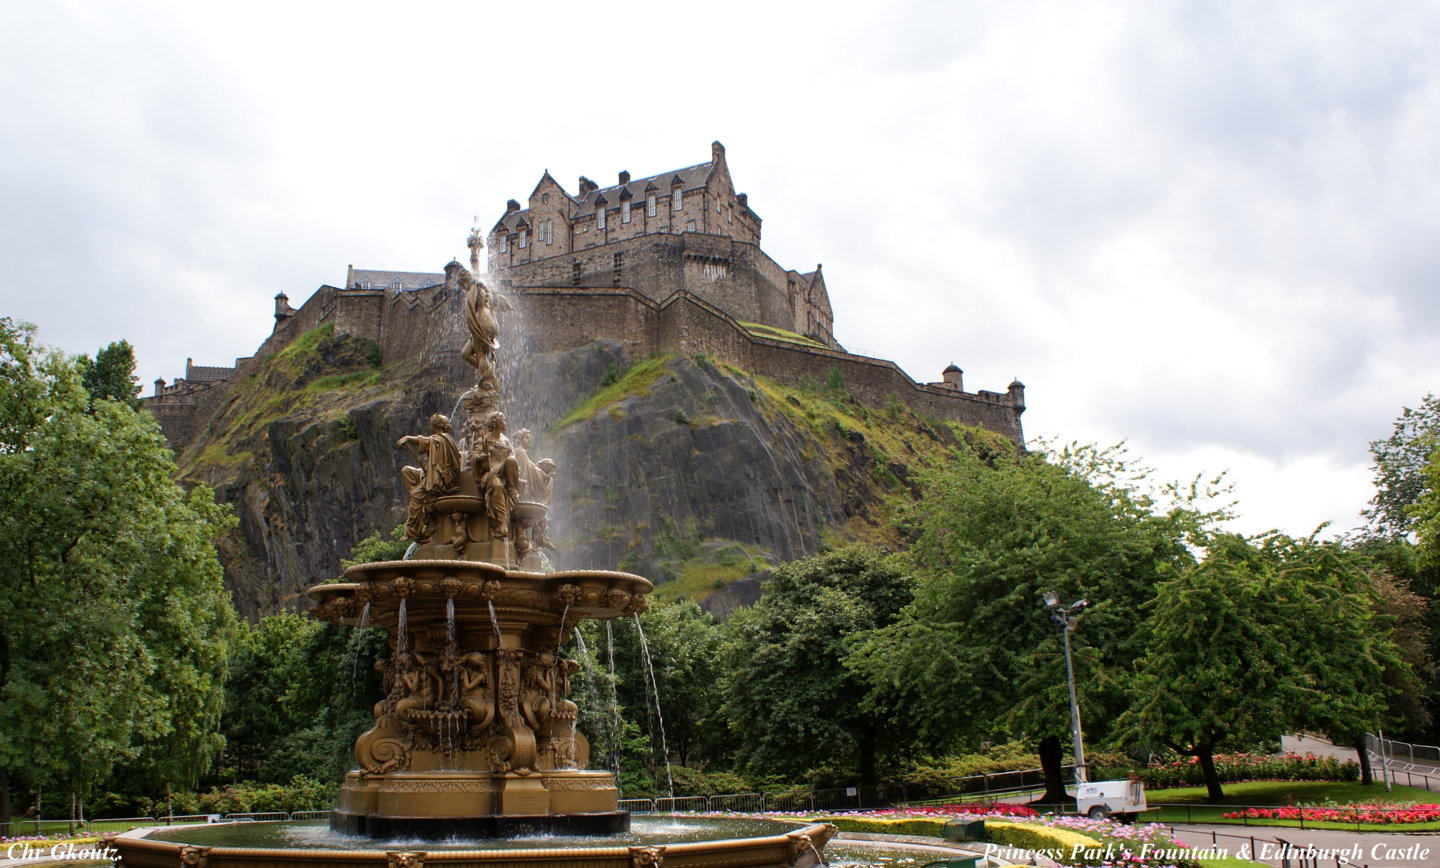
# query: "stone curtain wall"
[[427, 327], [688, 325], [734, 275]]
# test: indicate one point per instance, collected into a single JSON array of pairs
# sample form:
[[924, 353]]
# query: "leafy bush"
[[1062, 845], [923, 779], [931, 826], [699, 782], [300, 794]]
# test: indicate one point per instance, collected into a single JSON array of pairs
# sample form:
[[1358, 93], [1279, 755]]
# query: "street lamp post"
[[1065, 619]]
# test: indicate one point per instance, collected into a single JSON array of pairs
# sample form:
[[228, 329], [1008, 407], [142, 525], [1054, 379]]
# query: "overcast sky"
[[1211, 229]]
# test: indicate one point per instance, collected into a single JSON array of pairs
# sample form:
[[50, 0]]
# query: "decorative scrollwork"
[[381, 754]]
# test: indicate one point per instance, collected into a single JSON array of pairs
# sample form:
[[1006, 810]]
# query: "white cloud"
[[1208, 228]]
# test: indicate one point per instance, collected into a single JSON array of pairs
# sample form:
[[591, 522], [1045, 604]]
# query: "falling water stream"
[[494, 622], [614, 716], [402, 629], [655, 700], [355, 640]]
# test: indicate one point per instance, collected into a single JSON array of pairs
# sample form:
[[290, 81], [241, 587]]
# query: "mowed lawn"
[[1193, 804]]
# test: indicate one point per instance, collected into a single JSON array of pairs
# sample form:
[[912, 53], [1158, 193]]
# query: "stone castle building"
[[670, 262]]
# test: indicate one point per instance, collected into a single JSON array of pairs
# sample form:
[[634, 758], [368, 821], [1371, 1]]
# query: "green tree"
[[300, 692], [110, 376], [975, 657], [113, 620], [790, 696], [619, 713], [1425, 512], [1400, 467], [1256, 641]]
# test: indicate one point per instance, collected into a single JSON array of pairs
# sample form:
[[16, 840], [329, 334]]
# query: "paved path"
[[1402, 769], [1372, 849]]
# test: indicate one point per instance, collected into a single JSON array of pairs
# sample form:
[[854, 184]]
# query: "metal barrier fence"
[[1403, 751], [637, 806], [682, 804], [971, 788], [95, 826], [309, 815], [1418, 764]]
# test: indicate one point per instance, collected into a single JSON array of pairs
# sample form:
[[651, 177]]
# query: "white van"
[[1100, 799]]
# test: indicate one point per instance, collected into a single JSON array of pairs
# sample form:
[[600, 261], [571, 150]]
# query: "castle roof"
[[207, 373], [691, 178], [369, 278]]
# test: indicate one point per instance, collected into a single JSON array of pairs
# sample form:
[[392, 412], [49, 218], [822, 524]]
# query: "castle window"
[[545, 198], [679, 199], [504, 243], [689, 225], [547, 232], [523, 239], [625, 211], [650, 205], [600, 217]]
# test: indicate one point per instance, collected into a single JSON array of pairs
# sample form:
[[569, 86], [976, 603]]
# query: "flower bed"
[[1145, 846], [966, 810], [1379, 815], [1232, 767]]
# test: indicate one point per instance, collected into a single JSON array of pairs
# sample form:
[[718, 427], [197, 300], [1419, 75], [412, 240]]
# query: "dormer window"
[[524, 239], [679, 199], [600, 217], [625, 211], [504, 243], [650, 205]]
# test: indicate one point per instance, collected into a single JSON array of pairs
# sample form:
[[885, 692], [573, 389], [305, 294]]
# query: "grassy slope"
[[318, 374], [870, 451]]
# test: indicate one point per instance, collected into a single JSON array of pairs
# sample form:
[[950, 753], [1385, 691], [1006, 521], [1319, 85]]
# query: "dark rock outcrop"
[[695, 473]]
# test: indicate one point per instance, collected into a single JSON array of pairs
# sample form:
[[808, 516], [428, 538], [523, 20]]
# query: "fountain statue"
[[476, 736]]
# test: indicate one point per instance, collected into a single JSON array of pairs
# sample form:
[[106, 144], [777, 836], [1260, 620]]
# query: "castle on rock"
[[667, 263]]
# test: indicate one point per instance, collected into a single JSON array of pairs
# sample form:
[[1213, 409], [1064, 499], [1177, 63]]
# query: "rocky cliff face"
[[690, 472]]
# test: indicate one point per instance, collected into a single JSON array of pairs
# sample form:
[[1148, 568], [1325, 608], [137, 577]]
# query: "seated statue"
[[437, 475]]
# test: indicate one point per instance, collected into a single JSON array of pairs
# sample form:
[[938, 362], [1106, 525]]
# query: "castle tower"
[[953, 377]]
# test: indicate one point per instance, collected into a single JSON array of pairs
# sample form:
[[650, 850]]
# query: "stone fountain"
[[476, 736]]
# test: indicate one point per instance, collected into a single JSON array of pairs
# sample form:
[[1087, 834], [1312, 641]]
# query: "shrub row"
[[301, 794], [1177, 771]]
